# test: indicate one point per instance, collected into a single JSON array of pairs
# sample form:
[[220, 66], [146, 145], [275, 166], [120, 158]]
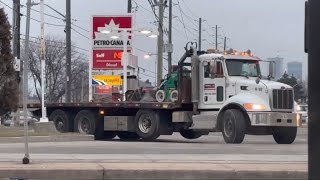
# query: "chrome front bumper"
[[275, 119]]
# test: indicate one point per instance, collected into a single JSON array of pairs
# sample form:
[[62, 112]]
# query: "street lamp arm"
[[55, 11]]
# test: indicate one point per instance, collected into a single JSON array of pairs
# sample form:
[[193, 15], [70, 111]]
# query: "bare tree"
[[55, 68]]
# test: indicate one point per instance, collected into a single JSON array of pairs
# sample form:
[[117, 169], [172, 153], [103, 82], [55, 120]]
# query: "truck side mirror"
[[271, 70], [213, 68]]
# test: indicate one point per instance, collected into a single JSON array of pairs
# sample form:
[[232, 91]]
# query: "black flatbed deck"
[[136, 105]]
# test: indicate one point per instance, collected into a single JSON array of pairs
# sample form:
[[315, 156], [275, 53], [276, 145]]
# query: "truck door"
[[213, 85]]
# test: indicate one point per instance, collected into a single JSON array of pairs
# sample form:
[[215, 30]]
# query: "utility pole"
[[160, 42], [16, 52], [26, 160], [170, 39], [68, 51], [129, 6], [313, 49], [17, 30], [200, 22], [14, 12], [225, 43], [216, 36]]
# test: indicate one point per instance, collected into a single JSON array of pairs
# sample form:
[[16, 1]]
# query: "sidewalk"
[[153, 171], [49, 138]]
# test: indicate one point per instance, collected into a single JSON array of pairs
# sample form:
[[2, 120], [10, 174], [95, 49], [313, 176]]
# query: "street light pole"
[[26, 160], [43, 65]]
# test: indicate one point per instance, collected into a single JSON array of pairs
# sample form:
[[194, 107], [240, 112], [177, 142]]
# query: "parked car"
[[9, 121], [304, 112]]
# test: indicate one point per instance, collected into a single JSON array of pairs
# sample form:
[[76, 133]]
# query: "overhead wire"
[[58, 42], [49, 45], [80, 33]]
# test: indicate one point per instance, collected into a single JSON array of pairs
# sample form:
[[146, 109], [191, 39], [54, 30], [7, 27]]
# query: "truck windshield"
[[239, 67]]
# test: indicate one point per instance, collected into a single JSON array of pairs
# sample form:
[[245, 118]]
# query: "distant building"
[[295, 69], [278, 67]]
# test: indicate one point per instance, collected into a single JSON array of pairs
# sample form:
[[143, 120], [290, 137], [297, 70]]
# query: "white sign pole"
[[124, 60], [43, 66]]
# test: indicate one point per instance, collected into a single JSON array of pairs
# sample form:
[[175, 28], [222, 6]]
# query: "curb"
[[53, 138], [153, 171]]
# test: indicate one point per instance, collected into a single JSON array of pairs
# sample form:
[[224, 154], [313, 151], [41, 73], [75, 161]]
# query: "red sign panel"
[[103, 24], [107, 52], [107, 59], [209, 86], [103, 89]]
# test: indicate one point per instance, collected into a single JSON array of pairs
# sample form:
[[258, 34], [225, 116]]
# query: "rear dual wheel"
[[61, 120]]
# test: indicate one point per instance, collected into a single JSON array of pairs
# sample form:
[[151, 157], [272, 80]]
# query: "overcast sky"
[[269, 27]]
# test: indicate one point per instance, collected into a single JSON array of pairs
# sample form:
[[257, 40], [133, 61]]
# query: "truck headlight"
[[251, 106]]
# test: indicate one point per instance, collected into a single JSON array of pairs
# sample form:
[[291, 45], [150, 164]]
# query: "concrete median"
[[51, 138], [153, 171]]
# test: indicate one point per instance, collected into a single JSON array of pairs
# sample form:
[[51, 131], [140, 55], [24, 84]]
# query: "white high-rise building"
[[278, 66]]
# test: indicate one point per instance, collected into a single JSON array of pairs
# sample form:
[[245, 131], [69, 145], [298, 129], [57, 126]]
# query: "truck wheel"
[[147, 123], [190, 134], [128, 136], [284, 135], [233, 126], [60, 120], [86, 122]]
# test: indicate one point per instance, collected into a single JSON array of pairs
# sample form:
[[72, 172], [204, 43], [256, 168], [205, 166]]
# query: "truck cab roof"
[[213, 53], [228, 56]]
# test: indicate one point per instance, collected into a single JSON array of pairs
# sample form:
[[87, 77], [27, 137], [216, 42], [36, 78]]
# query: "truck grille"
[[282, 99]]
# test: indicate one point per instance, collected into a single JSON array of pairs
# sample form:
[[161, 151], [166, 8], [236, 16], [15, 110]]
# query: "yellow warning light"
[[101, 112], [212, 50]]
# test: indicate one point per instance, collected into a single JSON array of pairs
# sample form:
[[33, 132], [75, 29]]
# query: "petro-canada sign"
[[107, 52], [102, 23]]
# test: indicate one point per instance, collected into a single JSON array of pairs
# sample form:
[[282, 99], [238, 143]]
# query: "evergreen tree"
[[8, 84], [292, 81]]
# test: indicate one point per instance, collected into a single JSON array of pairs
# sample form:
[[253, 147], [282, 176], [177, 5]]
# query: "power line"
[[50, 24], [190, 10], [62, 47], [146, 70], [143, 7], [58, 42], [6, 5], [80, 27], [184, 26], [147, 75], [49, 15], [80, 33]]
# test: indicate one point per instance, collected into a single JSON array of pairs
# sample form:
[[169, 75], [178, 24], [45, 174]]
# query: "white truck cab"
[[231, 97]]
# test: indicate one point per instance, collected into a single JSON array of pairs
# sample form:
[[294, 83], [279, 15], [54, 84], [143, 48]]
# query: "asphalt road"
[[170, 157], [166, 149]]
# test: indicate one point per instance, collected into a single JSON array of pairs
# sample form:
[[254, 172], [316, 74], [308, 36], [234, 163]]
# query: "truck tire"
[[190, 134], [61, 120], [284, 135], [147, 123], [128, 135], [233, 126], [85, 122]]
